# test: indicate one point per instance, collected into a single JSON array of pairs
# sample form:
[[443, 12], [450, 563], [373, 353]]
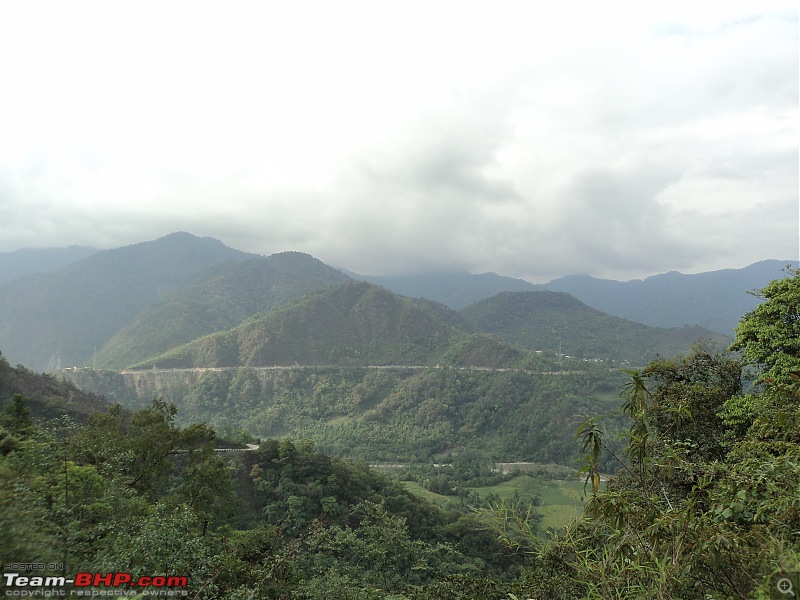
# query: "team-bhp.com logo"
[[158, 585]]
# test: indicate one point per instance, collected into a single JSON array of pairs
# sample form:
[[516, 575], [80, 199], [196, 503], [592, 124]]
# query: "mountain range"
[[161, 299], [715, 300]]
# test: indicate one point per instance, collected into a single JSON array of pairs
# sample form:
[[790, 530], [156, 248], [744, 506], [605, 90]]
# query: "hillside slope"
[[60, 319], [456, 290], [559, 322], [714, 300], [351, 324], [47, 397], [221, 302], [27, 261]]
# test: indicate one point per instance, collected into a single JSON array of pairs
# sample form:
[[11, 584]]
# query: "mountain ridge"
[[350, 324], [134, 302]]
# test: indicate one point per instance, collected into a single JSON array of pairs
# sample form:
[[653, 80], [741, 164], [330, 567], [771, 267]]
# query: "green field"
[[418, 490], [561, 498]]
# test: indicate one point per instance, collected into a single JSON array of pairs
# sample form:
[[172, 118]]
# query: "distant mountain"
[[715, 300], [39, 260], [559, 322], [59, 319], [455, 290], [242, 290], [352, 324]]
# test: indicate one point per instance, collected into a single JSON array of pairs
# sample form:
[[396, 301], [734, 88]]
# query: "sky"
[[530, 139]]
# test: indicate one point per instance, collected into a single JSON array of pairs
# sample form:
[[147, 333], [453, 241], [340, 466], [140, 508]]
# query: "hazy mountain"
[[715, 300], [455, 290], [221, 302], [120, 307], [559, 322], [39, 260], [60, 318], [351, 324]]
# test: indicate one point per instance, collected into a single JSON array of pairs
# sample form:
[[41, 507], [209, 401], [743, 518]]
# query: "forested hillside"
[[28, 261], [47, 397], [558, 322], [714, 300], [127, 306], [353, 324], [387, 414], [220, 302]]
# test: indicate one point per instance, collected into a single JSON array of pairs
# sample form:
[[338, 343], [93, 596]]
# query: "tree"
[[769, 335], [17, 415]]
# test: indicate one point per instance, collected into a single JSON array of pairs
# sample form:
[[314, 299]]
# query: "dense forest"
[[705, 502], [387, 415]]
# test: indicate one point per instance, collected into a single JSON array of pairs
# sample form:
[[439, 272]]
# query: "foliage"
[[706, 502], [391, 414], [769, 335]]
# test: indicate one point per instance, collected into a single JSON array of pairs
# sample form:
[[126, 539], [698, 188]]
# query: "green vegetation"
[[352, 324], [558, 501], [389, 415], [146, 496], [47, 397], [704, 503]]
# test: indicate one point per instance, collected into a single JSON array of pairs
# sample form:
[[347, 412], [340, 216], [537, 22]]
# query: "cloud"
[[620, 140]]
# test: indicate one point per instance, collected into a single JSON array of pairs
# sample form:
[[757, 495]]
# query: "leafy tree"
[[769, 335]]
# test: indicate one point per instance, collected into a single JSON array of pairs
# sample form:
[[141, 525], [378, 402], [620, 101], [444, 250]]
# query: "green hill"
[[456, 290], [558, 322], [47, 397], [352, 324], [243, 289], [715, 300]]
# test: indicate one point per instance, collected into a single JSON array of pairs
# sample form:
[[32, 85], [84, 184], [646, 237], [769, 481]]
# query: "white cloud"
[[620, 139]]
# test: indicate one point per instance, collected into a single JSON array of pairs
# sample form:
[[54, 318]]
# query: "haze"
[[614, 139]]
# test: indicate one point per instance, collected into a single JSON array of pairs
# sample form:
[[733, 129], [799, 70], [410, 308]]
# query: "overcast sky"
[[529, 139]]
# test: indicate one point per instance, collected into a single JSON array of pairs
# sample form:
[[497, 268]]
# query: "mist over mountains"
[[122, 307]]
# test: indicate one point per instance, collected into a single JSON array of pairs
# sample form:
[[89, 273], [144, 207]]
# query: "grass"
[[418, 490], [561, 498]]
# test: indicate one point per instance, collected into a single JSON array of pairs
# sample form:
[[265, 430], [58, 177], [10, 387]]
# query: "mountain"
[[352, 324], [48, 320], [715, 299], [455, 290], [242, 290], [559, 322], [39, 260]]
